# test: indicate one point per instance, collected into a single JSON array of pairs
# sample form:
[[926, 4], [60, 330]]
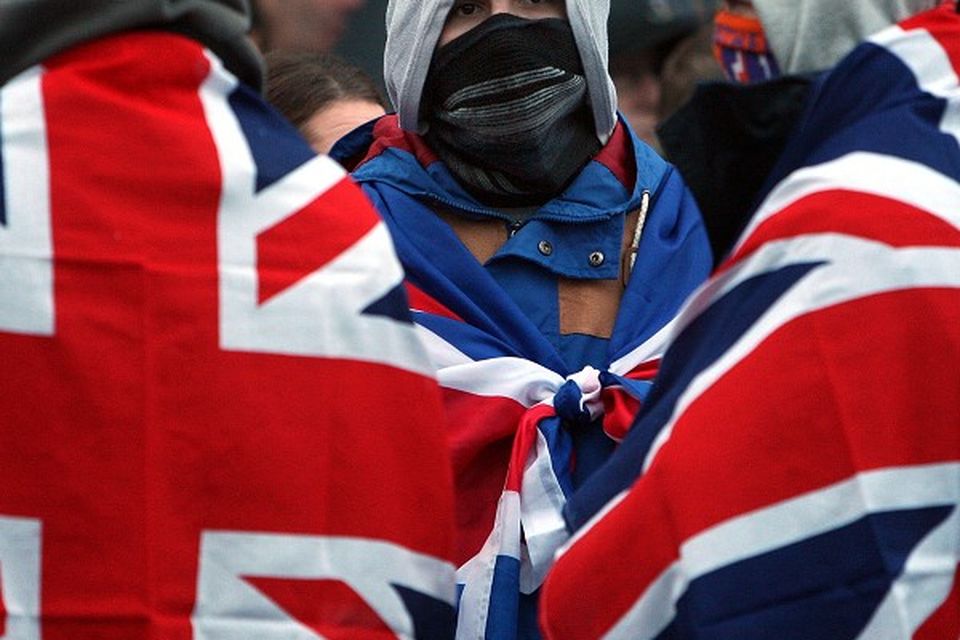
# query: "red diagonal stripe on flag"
[[304, 242], [420, 301], [329, 608]]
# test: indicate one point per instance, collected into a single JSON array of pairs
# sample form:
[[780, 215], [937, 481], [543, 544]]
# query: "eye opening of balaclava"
[[506, 107]]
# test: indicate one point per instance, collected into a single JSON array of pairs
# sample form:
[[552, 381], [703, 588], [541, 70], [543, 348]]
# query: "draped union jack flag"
[[513, 405], [217, 410], [795, 472]]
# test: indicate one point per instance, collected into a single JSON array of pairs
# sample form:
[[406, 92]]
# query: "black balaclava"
[[507, 110]]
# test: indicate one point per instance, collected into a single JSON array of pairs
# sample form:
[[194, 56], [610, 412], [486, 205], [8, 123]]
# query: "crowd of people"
[[572, 334]]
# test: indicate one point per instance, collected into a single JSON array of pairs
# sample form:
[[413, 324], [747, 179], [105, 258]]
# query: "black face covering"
[[506, 105]]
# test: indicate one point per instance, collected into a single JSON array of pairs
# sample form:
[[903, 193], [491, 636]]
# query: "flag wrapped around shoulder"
[[218, 413], [509, 419], [795, 472], [513, 407]]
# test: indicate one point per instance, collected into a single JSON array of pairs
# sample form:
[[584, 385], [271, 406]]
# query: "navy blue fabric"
[[275, 158], [862, 114], [554, 433], [393, 305], [832, 583], [689, 355], [502, 622], [432, 618]]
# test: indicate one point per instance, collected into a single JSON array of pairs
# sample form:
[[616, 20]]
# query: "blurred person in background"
[[301, 25], [322, 94], [690, 62], [546, 248], [643, 33], [795, 472]]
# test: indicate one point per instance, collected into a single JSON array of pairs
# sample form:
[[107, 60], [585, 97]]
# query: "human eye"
[[465, 9]]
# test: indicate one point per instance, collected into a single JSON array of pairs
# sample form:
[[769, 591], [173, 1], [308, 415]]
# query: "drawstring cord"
[[641, 221]]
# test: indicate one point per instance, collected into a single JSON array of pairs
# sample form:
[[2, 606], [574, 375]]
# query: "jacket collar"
[[611, 184]]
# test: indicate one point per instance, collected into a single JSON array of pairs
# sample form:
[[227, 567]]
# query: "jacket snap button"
[[596, 259], [545, 247]]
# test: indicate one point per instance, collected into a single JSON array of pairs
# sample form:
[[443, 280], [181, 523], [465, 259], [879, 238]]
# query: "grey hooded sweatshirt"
[[813, 35], [413, 29], [33, 30]]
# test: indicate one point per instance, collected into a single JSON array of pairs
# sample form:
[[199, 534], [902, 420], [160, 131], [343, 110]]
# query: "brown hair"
[[299, 83], [690, 62]]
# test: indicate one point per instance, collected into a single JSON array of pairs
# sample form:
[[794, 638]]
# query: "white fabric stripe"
[[541, 514], [854, 268], [910, 601], [299, 320], [931, 65], [652, 348], [258, 211], [228, 607], [886, 176], [477, 573], [522, 380], [442, 353], [26, 242], [794, 520]]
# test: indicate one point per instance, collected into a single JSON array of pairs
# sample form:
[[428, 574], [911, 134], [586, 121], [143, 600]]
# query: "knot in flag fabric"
[[577, 401]]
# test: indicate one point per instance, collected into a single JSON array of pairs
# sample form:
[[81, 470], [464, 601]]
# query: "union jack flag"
[[511, 402], [795, 472], [217, 411]]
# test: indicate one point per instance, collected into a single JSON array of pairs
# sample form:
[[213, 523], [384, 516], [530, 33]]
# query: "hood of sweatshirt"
[[33, 30], [813, 35], [413, 30]]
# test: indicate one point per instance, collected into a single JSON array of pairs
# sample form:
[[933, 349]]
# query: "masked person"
[[185, 447], [795, 472], [546, 248]]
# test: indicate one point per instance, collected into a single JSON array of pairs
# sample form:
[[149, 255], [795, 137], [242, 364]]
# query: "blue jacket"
[[518, 303], [408, 184]]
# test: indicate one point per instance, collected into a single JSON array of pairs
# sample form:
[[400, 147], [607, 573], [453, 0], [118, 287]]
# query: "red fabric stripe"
[[601, 576], [618, 156], [420, 301], [899, 225], [525, 443], [328, 607], [833, 395], [131, 431], [619, 411], [480, 436], [944, 26], [847, 393], [387, 134], [305, 241]]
